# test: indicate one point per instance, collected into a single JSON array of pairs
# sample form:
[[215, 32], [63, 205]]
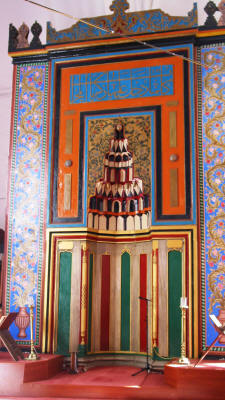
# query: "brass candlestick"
[[33, 354], [183, 305]]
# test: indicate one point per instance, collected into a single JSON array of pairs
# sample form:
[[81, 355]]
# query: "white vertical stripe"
[[115, 302]]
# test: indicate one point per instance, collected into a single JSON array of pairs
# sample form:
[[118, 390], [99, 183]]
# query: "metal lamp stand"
[[32, 356]]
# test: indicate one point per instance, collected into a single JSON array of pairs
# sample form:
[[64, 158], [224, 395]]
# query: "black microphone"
[[144, 298]]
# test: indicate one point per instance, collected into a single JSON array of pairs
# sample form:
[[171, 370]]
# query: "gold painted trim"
[[69, 136], [174, 187], [175, 249], [84, 293], [65, 245], [174, 244], [118, 352], [126, 250], [67, 191], [27, 52], [172, 103], [155, 234], [117, 234], [216, 32], [45, 302], [155, 246], [70, 112], [173, 128]]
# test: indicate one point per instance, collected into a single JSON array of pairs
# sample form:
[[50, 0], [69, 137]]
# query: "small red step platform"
[[14, 373], [207, 378]]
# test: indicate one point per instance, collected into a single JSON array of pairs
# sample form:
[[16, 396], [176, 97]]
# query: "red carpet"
[[18, 380]]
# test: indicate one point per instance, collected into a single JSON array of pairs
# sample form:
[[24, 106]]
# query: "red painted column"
[[143, 304], [105, 303]]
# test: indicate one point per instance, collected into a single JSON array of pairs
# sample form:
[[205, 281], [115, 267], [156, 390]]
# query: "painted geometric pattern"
[[123, 84], [122, 22], [213, 189], [137, 131], [26, 215]]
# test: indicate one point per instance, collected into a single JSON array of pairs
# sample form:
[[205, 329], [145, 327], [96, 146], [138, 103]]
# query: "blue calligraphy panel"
[[122, 84]]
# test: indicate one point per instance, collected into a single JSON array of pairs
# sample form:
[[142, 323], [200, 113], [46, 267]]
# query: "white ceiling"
[[19, 11]]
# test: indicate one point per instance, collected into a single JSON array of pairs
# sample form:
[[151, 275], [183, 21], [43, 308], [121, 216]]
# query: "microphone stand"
[[147, 367]]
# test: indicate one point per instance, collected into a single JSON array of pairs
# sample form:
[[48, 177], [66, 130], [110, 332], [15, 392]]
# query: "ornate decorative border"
[[26, 222], [212, 195]]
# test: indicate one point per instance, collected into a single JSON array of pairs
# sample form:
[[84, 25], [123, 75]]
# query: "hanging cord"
[[119, 34], [163, 357]]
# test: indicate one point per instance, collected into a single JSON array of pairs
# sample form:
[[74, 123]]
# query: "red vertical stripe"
[[143, 304], [105, 297], [157, 310]]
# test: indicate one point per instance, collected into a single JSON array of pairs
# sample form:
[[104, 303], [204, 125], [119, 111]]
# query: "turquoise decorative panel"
[[27, 196], [212, 177]]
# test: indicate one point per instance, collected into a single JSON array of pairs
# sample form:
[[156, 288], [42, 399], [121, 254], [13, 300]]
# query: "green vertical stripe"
[[90, 300], [175, 293], [125, 302], [63, 334]]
